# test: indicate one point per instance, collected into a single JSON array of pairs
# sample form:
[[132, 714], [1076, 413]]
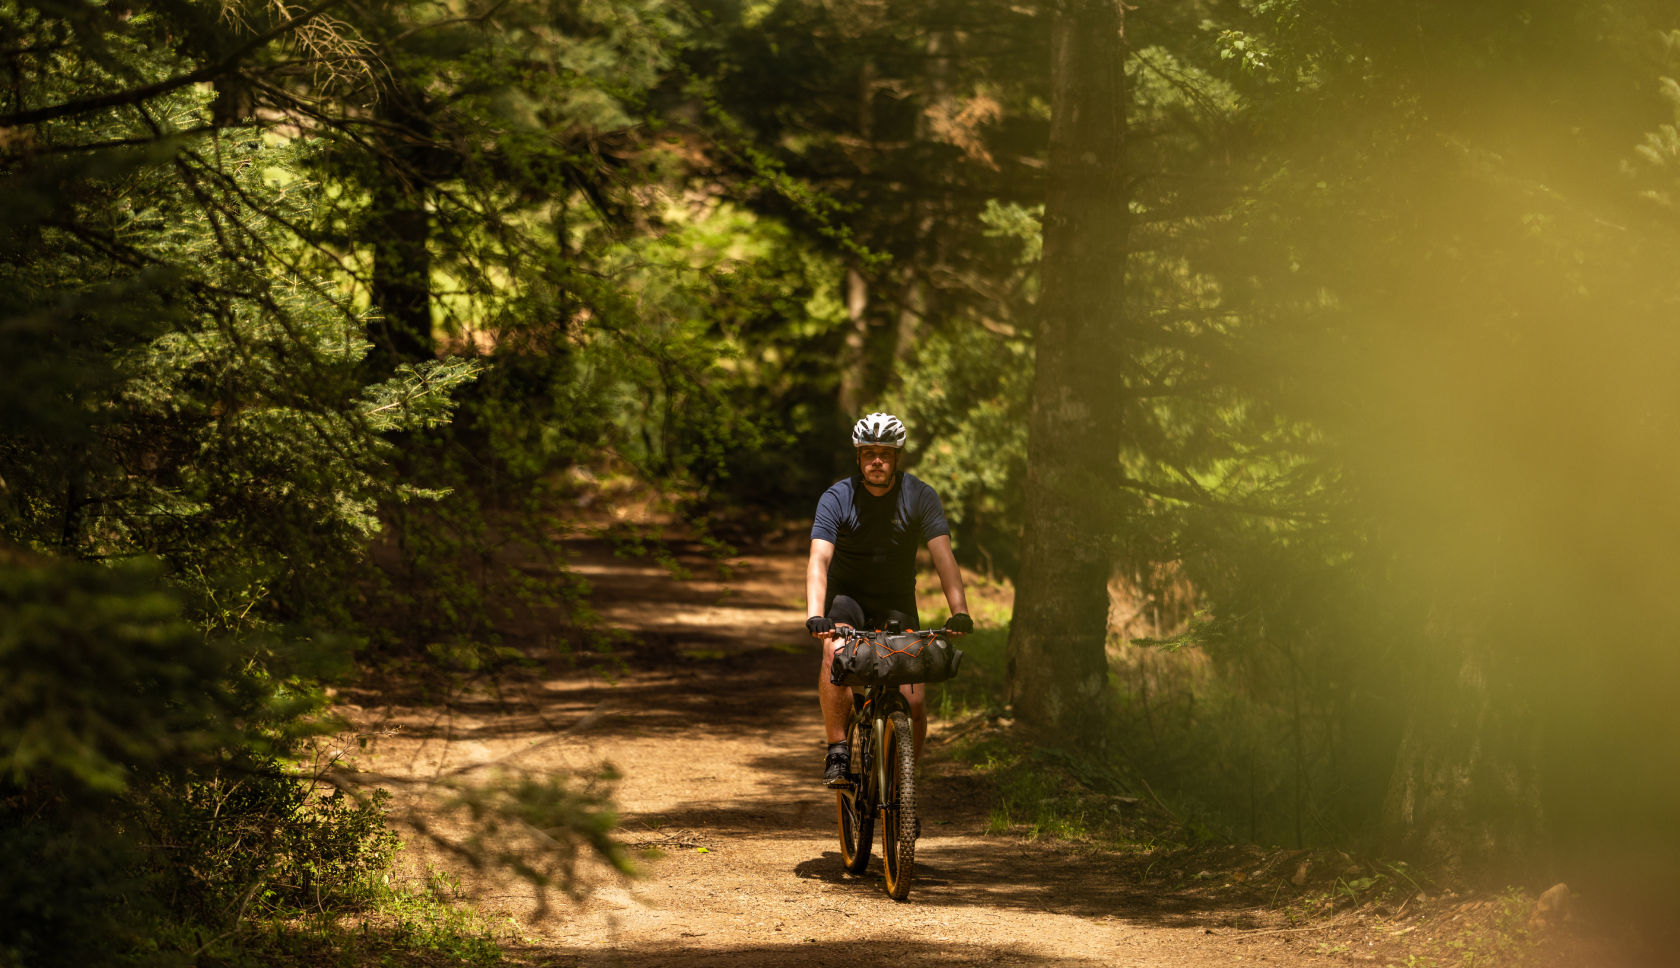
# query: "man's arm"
[[950, 576], [816, 577]]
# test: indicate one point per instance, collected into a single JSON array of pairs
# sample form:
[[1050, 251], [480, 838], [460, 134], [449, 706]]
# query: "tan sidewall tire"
[[898, 845]]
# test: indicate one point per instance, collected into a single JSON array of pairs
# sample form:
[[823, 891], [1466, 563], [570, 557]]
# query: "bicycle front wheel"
[[898, 819]]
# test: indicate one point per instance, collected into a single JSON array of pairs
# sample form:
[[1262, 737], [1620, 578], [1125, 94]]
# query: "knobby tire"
[[898, 820]]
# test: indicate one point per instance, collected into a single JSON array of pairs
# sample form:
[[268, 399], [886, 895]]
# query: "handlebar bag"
[[879, 659]]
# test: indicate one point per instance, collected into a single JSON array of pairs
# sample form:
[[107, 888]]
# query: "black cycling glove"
[[960, 623], [817, 625]]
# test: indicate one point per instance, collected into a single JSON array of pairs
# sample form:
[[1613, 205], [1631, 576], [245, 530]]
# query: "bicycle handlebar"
[[846, 631]]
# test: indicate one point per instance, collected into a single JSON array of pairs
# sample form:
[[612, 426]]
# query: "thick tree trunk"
[[1057, 663], [402, 273], [1465, 795], [400, 233]]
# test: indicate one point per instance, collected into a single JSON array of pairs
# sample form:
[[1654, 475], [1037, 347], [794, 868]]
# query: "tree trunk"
[[1465, 794], [1057, 663], [402, 270], [910, 313], [855, 369], [400, 229]]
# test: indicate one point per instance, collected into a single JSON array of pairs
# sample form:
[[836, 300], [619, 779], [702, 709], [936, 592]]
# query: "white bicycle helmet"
[[879, 429]]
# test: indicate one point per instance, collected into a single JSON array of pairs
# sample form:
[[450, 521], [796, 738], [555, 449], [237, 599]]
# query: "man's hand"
[[959, 623], [819, 626]]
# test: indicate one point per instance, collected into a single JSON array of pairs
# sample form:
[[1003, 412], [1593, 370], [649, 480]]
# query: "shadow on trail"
[[864, 952], [998, 874], [692, 695], [791, 777]]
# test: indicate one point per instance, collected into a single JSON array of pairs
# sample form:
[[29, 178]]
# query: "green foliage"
[[978, 690], [136, 792], [197, 390], [71, 887], [102, 676], [436, 917], [263, 840], [965, 393], [967, 402]]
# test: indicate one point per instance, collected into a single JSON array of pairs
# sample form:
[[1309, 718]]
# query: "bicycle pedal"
[[840, 783]]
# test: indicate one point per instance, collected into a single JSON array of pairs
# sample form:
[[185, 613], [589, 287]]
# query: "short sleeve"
[[931, 513], [827, 523]]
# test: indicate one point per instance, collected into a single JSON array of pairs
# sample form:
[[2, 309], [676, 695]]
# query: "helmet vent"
[[879, 430]]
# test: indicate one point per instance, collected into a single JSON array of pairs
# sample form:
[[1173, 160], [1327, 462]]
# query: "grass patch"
[[1042, 793], [703, 655], [1054, 794], [437, 918], [978, 686], [429, 922]]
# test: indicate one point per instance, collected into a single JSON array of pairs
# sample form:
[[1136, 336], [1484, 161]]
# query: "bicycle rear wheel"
[[898, 820], [857, 821]]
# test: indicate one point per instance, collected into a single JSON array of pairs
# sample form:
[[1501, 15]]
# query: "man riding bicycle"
[[862, 572]]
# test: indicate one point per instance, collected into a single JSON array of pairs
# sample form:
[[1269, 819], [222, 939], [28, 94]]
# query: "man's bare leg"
[[917, 695], [836, 700]]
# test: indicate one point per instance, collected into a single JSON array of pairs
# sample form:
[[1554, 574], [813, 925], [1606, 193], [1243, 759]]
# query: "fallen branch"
[[1158, 802], [1310, 927], [687, 843]]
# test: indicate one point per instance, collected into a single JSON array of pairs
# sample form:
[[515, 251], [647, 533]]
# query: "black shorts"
[[870, 613]]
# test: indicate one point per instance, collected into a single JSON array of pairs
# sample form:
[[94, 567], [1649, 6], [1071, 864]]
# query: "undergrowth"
[[1164, 705], [1369, 909], [425, 920], [1043, 791]]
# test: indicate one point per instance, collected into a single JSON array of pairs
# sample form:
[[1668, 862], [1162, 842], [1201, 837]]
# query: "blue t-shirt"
[[875, 538]]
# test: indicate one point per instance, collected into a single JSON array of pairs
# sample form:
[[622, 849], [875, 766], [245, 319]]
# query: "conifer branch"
[[147, 92]]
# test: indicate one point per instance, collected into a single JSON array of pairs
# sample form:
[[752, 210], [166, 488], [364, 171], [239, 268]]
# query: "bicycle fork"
[[879, 722]]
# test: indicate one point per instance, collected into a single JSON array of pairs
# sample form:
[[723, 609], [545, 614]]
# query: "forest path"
[[716, 730]]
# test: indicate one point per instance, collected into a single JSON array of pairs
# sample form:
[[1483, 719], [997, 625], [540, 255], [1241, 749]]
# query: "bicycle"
[[885, 782]]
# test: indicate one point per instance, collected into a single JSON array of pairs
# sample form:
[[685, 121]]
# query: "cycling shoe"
[[834, 768]]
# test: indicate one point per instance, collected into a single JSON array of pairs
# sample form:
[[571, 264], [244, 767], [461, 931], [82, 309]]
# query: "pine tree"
[[1057, 664]]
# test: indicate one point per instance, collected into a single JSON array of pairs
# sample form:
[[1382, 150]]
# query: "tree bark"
[[1057, 659], [400, 228], [910, 312], [855, 370], [402, 270]]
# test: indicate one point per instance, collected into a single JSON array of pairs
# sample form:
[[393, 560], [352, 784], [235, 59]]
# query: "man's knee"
[[916, 696], [829, 646], [847, 611]]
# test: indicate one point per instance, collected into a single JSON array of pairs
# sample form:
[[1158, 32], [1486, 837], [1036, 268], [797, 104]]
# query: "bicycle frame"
[[870, 707]]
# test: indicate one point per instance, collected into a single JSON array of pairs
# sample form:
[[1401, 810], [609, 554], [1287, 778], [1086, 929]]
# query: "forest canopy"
[[1342, 332]]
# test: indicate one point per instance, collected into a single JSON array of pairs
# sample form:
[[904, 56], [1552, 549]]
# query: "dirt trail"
[[716, 730]]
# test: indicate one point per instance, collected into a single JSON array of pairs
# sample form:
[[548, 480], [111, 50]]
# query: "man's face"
[[878, 464]]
